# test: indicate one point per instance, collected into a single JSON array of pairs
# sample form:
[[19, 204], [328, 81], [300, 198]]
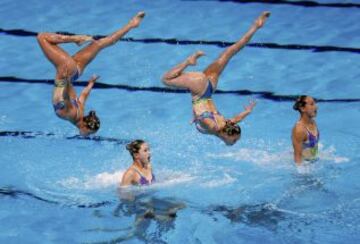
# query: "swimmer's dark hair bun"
[[128, 147], [92, 122], [296, 106], [299, 103], [134, 146], [231, 128]]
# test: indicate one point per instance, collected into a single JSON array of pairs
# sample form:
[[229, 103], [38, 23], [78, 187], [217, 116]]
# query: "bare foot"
[[135, 21], [81, 39], [192, 59], [260, 21]]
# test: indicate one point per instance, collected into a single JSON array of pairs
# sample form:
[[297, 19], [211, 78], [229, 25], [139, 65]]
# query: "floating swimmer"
[[305, 134], [140, 172], [203, 84], [66, 104]]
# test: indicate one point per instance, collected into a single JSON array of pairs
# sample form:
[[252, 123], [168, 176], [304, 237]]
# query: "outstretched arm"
[[246, 112], [86, 91]]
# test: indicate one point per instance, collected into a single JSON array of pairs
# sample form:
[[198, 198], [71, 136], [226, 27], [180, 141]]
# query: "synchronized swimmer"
[[203, 84], [305, 134], [140, 172], [66, 104]]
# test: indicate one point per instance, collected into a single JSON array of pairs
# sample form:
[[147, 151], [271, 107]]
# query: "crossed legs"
[[196, 82], [67, 65]]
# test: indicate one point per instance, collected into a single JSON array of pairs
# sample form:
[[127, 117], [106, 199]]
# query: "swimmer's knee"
[[167, 81], [42, 36]]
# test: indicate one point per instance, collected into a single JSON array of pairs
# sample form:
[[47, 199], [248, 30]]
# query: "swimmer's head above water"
[[306, 105], [300, 102], [139, 151], [134, 147]]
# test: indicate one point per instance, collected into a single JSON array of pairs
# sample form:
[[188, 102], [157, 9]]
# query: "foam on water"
[[101, 180], [283, 158], [167, 178], [226, 180]]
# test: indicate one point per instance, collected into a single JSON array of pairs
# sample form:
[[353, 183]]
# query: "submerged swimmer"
[[140, 172], [66, 104], [203, 84], [305, 134], [146, 211]]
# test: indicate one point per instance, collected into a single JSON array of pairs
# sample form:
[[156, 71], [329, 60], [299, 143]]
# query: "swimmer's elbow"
[[41, 36]]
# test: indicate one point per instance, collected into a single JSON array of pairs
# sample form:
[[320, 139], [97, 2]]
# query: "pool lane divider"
[[40, 134], [222, 44], [15, 194], [258, 94], [285, 2]]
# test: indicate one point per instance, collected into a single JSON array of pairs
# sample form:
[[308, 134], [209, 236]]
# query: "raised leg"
[[214, 70], [88, 53], [194, 81], [63, 62]]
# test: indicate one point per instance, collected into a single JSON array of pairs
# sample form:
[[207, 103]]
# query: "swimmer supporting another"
[[66, 104], [140, 172], [305, 134], [203, 84]]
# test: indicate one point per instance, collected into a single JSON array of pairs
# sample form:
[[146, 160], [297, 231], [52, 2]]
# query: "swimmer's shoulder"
[[299, 130]]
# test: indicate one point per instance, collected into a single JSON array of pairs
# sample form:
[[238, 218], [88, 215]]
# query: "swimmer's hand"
[[248, 108]]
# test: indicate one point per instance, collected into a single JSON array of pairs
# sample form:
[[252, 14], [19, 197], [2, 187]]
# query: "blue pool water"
[[58, 188]]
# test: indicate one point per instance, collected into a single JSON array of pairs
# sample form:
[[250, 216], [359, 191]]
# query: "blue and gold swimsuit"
[[205, 115], [60, 105], [310, 146]]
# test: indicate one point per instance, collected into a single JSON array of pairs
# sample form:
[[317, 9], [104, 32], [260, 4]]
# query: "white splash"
[[105, 179], [227, 179], [256, 156], [264, 157], [170, 178], [102, 180], [330, 154]]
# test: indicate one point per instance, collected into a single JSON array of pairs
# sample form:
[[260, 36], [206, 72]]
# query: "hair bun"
[[128, 147], [299, 102], [134, 146], [296, 106]]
